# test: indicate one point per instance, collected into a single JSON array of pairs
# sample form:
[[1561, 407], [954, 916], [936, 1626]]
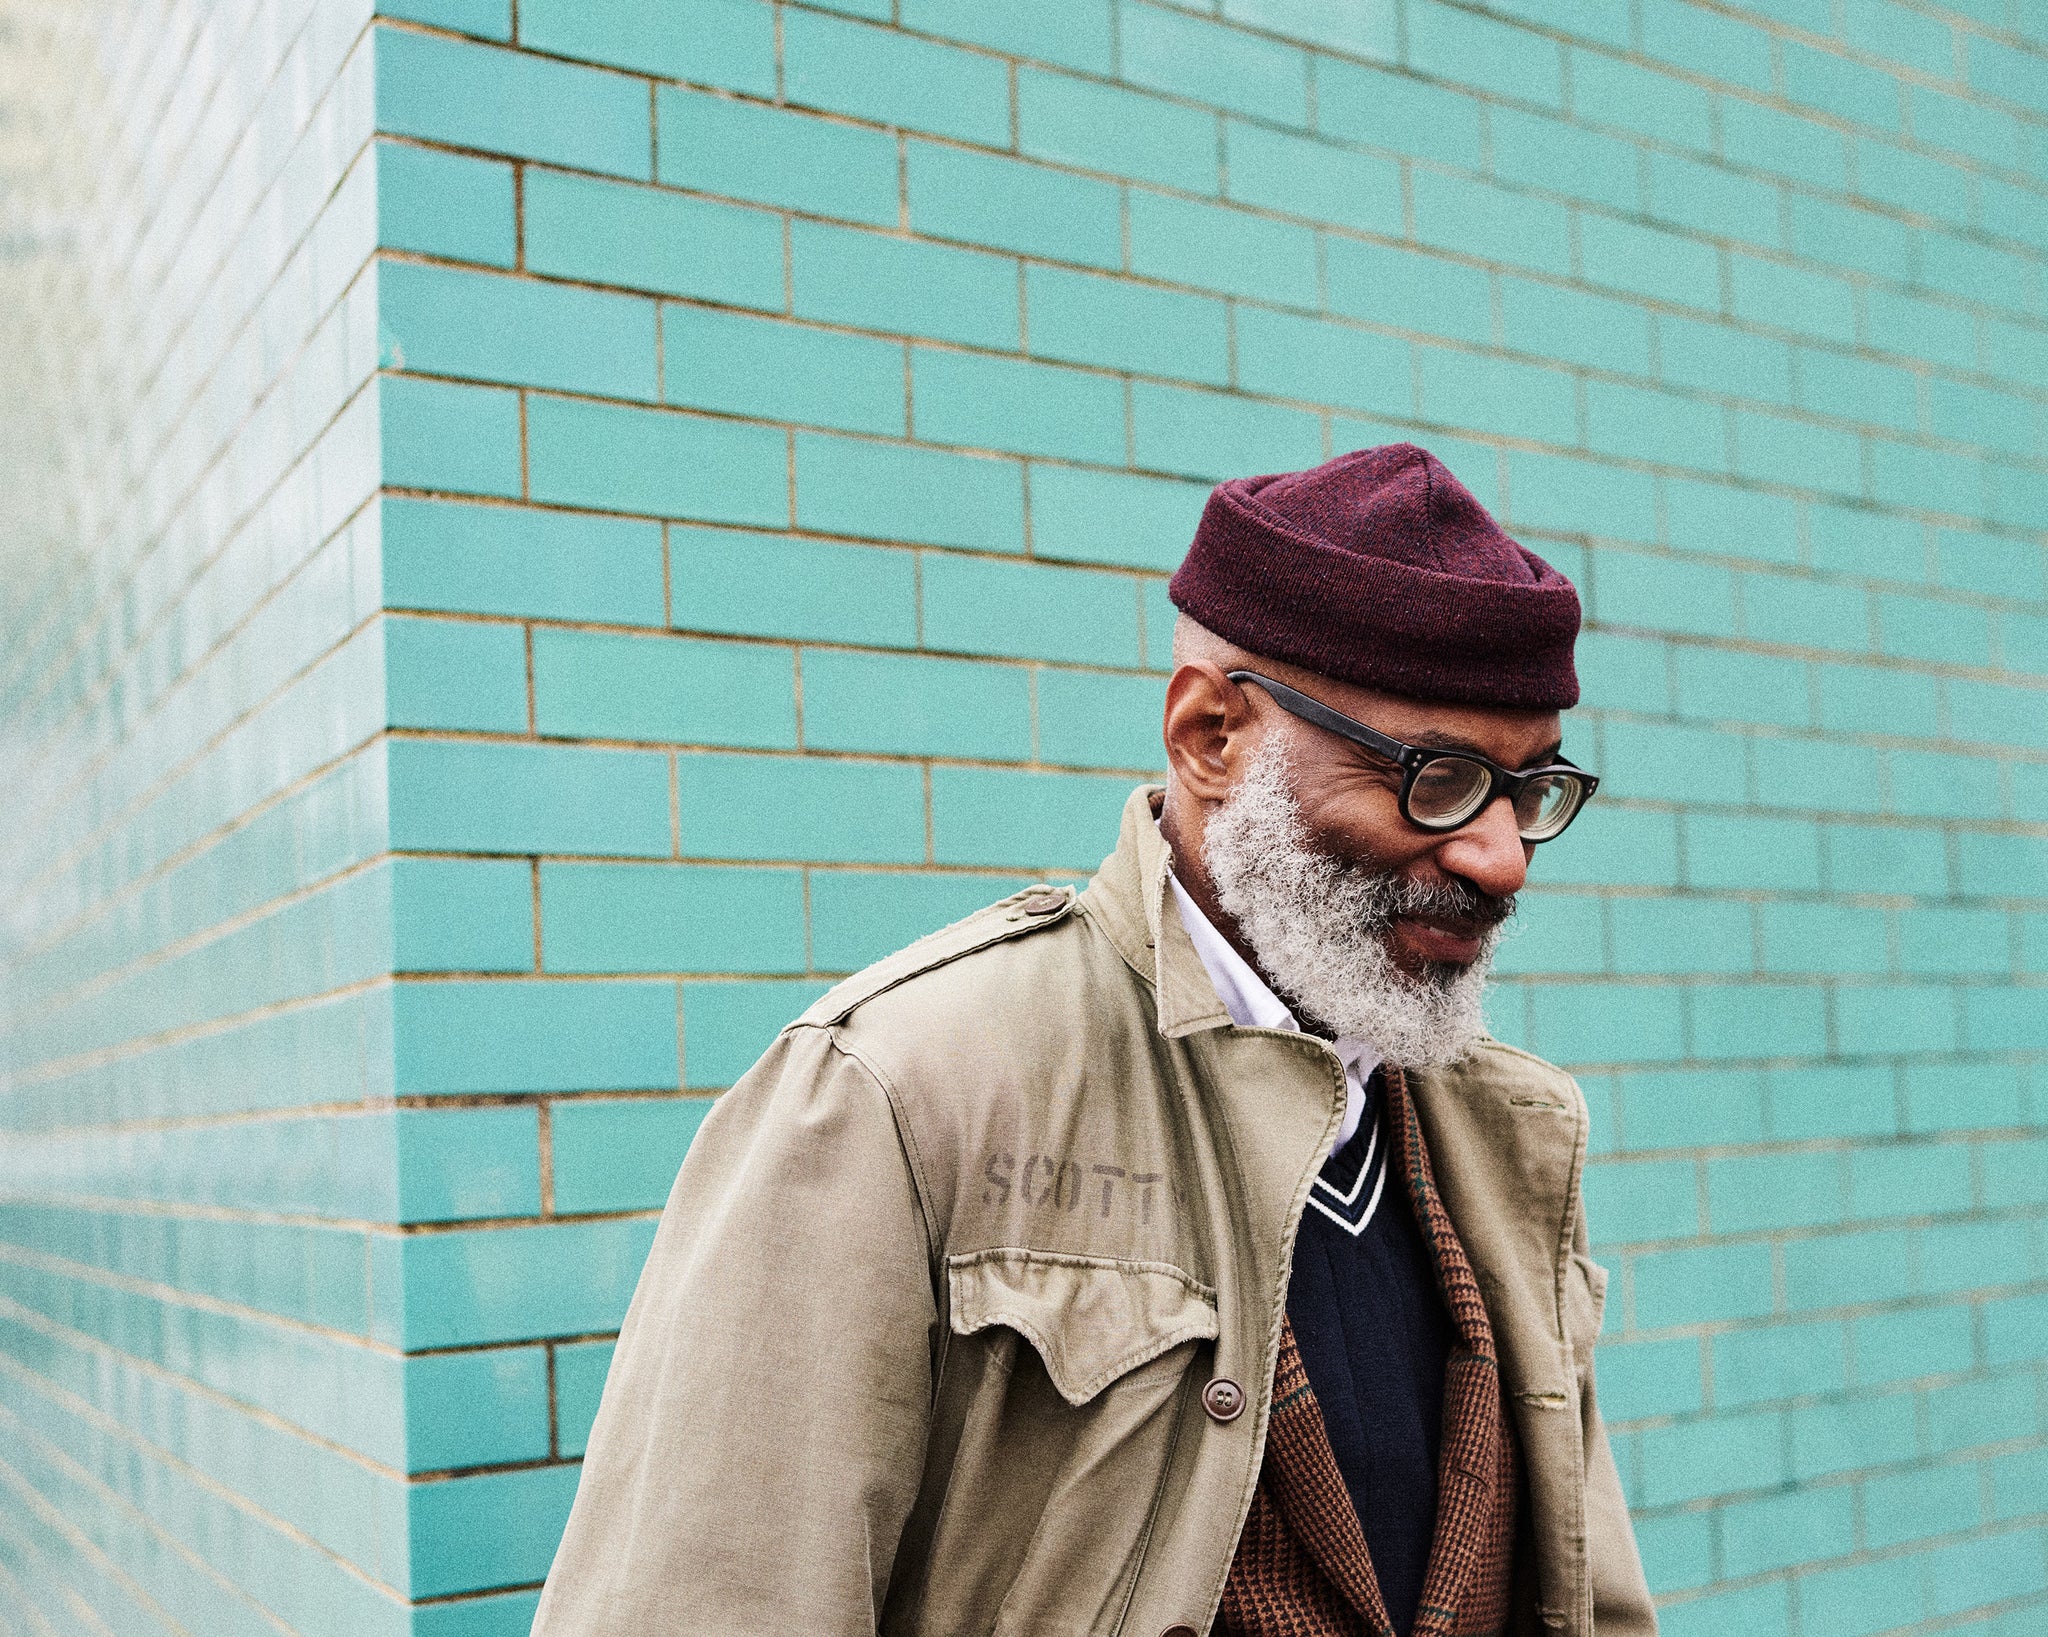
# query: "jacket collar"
[[1131, 899]]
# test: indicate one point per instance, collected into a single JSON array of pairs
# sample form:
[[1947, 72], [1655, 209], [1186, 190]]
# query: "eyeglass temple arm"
[[1314, 710]]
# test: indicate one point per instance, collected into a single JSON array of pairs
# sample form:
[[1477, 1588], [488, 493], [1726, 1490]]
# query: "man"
[[1178, 1256]]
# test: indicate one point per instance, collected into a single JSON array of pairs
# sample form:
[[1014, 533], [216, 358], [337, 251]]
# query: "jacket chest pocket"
[[1065, 1382]]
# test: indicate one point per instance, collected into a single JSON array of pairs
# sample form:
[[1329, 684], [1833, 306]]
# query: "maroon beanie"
[[1381, 568]]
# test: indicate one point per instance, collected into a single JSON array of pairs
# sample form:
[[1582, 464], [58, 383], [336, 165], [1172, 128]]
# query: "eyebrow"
[[1436, 740]]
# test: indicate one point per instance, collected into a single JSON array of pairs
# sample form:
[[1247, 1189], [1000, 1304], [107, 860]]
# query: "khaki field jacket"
[[923, 1340]]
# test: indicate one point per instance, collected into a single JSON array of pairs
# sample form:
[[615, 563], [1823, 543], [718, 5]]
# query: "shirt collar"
[[1248, 997]]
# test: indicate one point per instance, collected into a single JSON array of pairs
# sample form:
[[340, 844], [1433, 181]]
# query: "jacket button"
[[1043, 903], [1178, 1631], [1223, 1399]]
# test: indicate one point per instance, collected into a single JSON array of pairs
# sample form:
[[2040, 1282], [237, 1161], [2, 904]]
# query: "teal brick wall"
[[540, 538]]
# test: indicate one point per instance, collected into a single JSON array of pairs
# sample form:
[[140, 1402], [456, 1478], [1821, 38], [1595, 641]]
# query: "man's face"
[[1368, 923], [1351, 809]]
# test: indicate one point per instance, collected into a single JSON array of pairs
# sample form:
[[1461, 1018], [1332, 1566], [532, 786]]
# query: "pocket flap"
[[1091, 1318]]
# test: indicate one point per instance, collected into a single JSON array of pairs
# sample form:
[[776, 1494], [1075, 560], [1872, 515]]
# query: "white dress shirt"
[[1252, 1004]]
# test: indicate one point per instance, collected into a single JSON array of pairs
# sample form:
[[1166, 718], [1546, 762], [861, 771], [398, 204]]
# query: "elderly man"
[[1178, 1256]]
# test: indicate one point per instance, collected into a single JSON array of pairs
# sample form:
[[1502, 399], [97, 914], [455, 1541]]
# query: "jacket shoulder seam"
[[905, 1136]]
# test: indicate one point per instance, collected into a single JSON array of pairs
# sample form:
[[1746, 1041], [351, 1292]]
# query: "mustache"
[[1453, 903]]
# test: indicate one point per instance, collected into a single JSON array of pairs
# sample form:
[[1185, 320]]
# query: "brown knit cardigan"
[[1302, 1568]]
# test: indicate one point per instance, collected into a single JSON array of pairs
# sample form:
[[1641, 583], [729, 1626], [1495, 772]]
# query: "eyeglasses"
[[1443, 789]]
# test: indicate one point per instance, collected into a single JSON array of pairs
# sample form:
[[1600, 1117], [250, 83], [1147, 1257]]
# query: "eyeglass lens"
[[1448, 790]]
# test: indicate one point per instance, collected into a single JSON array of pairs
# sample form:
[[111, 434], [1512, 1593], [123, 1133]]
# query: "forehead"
[[1510, 737]]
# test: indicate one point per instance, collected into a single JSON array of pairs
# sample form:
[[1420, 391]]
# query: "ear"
[[1211, 726]]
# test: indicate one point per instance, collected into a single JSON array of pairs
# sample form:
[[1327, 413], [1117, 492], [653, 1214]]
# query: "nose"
[[1488, 851]]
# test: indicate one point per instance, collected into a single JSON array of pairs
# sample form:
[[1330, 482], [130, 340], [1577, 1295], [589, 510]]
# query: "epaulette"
[[1032, 910]]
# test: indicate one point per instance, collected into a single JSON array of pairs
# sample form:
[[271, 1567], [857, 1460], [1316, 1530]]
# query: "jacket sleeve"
[[762, 1431], [1621, 1595]]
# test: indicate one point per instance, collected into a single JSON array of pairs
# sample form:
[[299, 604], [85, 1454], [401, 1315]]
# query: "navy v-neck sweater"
[[1375, 1338]]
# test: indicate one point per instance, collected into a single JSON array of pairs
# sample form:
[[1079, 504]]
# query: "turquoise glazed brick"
[[1752, 1192], [1758, 1020], [470, 559], [468, 1162], [778, 807], [618, 1154], [1580, 497], [1611, 92], [1725, 1455], [1094, 719], [1659, 593], [1020, 820], [456, 674], [482, 1037], [1219, 247], [1787, 297], [1573, 327], [1707, 43], [766, 585], [457, 439], [469, 797], [1402, 290], [525, 107], [557, 1279], [877, 281], [1607, 1023], [891, 491], [726, 1026], [1665, 427], [486, 327], [1649, 759], [1754, 853], [1169, 51], [988, 199], [1865, 699], [616, 457], [1673, 1108], [894, 79], [1365, 31], [496, 1614], [1556, 933], [444, 204], [597, 685], [490, 19], [1635, 1201], [1491, 56], [1212, 434], [1159, 617], [1785, 144], [1805, 613], [1096, 127], [1115, 519], [1650, 262], [1072, 33], [461, 915], [476, 1409], [1711, 356], [1080, 318], [1832, 1102], [773, 156], [1731, 522], [771, 370], [1895, 1346], [1009, 404], [1676, 935], [911, 705], [1716, 685], [729, 43], [1642, 1379], [580, 1369], [1834, 85], [1710, 199], [1490, 394], [1623, 673], [1677, 1551], [1850, 236], [1824, 937], [1533, 151], [1477, 219], [1778, 449], [670, 918], [970, 607], [1290, 356], [606, 232], [1977, 1095], [1314, 179], [1782, 1530], [859, 916]]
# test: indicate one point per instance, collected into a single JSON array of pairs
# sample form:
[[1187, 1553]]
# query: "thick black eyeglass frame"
[[1412, 759]]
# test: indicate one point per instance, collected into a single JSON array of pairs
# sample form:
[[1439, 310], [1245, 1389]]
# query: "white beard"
[[1319, 926]]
